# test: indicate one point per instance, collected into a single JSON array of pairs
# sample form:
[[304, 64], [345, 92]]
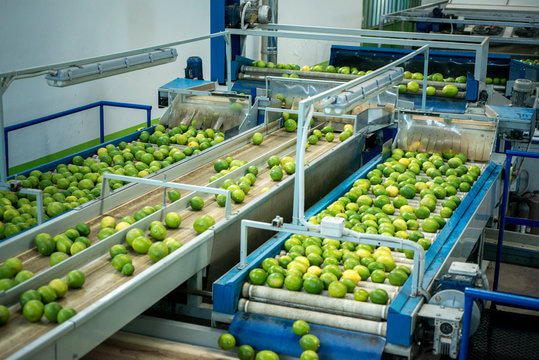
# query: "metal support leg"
[[503, 209], [4, 84], [228, 41], [425, 74], [101, 124]]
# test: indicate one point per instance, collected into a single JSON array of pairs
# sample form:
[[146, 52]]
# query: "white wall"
[[45, 32], [336, 13]]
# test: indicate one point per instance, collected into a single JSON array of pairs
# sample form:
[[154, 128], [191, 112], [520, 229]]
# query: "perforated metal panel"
[[505, 335]]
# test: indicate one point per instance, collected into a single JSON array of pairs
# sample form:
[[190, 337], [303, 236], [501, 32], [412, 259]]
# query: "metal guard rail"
[[502, 298], [100, 104]]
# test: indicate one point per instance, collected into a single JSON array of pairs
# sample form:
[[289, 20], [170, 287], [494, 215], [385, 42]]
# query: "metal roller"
[[338, 321], [344, 306]]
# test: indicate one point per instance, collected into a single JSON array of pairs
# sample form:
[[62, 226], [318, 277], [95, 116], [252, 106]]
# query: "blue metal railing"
[[509, 220], [101, 105], [498, 297]]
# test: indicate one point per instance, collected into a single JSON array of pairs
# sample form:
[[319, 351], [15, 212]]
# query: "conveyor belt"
[[102, 278], [126, 346]]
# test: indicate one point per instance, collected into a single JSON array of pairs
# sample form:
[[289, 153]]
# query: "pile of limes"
[[225, 166], [408, 192], [238, 189], [227, 342], [309, 343], [79, 182], [72, 241], [12, 274], [36, 303]]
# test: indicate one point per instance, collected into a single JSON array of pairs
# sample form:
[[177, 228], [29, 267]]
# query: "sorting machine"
[[108, 301], [429, 306]]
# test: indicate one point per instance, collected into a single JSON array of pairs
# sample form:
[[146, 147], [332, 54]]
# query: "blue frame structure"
[[503, 208], [502, 298], [100, 104]]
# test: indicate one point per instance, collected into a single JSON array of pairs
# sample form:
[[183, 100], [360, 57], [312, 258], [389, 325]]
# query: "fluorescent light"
[[79, 74]]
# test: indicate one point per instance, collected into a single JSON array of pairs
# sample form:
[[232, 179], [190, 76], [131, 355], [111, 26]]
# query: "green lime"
[[45, 244], [226, 341], [412, 86], [258, 138], [309, 342], [22, 276], [378, 276], [47, 293], [196, 203], [246, 352], [4, 315], [128, 269], [273, 161], [174, 195], [337, 289], [59, 286], [266, 355], [275, 280], [57, 257], [120, 260], [65, 314], [157, 251], [51, 311], [203, 223], [361, 295], [293, 283], [75, 279], [33, 310], [276, 173], [397, 277], [379, 296], [117, 250], [257, 276], [309, 355], [300, 327], [83, 229], [313, 285]]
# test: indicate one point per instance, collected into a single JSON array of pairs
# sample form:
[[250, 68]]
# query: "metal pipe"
[[39, 202], [348, 235], [204, 189], [502, 298], [38, 70], [425, 74], [228, 50], [338, 321], [345, 306], [503, 209], [4, 156]]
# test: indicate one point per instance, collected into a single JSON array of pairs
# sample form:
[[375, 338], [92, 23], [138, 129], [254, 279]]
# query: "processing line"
[[434, 291], [109, 301]]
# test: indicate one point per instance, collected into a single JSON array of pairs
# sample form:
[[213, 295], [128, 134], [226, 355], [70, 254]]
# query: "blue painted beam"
[[401, 309]]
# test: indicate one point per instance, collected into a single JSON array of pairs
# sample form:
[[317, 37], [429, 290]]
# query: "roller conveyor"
[[322, 312], [103, 280]]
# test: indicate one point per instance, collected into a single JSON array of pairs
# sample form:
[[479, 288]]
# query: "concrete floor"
[[516, 280]]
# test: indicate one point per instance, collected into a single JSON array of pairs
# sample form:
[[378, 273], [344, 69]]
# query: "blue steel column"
[[503, 209], [217, 50], [468, 303], [101, 124]]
